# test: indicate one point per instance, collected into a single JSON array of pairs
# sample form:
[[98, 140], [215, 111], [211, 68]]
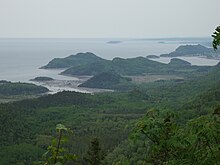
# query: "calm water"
[[21, 58]]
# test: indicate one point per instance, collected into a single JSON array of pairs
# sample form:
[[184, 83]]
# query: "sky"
[[108, 18]]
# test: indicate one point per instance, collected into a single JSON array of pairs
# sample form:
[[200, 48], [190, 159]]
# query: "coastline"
[[69, 85]]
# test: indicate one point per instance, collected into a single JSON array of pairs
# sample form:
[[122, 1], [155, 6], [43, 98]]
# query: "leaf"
[[45, 154]]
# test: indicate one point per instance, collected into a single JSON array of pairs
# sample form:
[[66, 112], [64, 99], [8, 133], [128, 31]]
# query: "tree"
[[196, 142], [94, 154], [216, 38], [159, 128], [56, 154]]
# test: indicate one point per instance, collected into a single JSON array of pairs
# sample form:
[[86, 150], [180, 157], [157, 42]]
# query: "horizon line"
[[136, 38]]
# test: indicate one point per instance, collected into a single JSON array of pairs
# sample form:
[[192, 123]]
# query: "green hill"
[[90, 64], [135, 66], [130, 66], [192, 50], [9, 88], [73, 60], [106, 80], [178, 62], [90, 69]]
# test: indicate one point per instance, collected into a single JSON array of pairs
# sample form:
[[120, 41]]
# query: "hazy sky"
[[108, 18]]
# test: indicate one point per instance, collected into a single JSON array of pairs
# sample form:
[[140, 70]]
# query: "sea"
[[21, 58]]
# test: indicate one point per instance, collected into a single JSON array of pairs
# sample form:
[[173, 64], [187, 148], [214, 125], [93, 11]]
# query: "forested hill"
[[11, 88], [171, 94], [180, 123], [73, 60], [27, 126], [178, 62], [90, 64], [132, 67], [107, 80], [193, 50]]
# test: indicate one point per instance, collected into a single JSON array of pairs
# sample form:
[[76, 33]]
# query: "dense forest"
[[162, 122]]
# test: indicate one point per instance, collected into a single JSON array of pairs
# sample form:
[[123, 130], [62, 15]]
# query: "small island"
[[106, 80], [178, 62], [193, 50], [153, 56], [40, 79], [114, 42], [72, 61]]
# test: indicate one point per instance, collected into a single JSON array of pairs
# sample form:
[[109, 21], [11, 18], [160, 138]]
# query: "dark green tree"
[[94, 154]]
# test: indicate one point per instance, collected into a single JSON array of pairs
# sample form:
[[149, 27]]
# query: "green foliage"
[[108, 116], [160, 139], [56, 154], [202, 135], [216, 38], [159, 130]]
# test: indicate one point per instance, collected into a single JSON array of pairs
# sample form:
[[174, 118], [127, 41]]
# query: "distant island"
[[72, 61], [42, 79], [111, 74], [130, 66], [193, 50], [178, 62], [114, 42], [153, 56], [88, 64]]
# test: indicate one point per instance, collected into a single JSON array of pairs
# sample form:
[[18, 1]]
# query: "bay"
[[22, 57]]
